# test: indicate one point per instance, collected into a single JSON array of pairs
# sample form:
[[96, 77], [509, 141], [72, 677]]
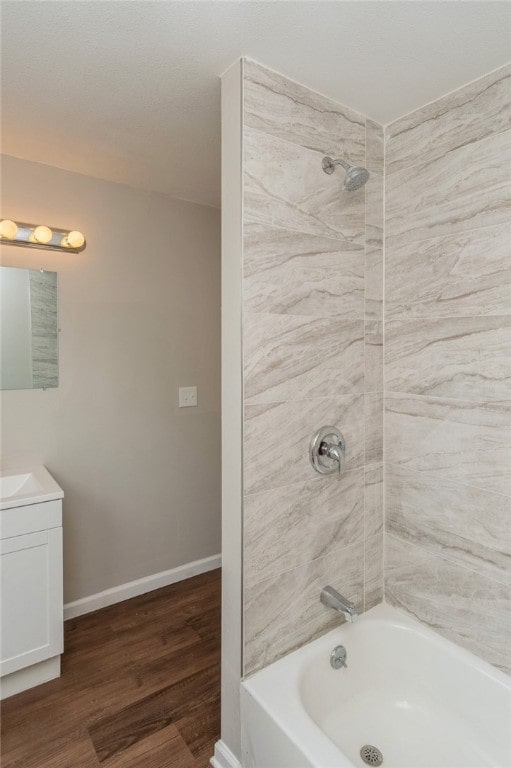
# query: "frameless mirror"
[[29, 345]]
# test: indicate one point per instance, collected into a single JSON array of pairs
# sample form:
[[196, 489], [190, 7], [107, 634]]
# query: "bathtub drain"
[[371, 755]]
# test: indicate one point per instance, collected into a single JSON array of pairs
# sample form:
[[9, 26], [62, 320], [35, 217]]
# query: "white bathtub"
[[423, 701]]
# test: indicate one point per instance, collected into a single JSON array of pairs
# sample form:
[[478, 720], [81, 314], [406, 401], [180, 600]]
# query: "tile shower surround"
[[448, 366], [313, 354], [312, 345]]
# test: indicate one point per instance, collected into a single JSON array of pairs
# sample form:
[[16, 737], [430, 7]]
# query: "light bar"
[[41, 236]]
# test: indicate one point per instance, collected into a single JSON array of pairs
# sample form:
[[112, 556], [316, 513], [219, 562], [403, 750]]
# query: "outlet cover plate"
[[187, 397]]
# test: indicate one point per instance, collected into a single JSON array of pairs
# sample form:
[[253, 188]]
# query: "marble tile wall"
[[312, 352], [448, 365]]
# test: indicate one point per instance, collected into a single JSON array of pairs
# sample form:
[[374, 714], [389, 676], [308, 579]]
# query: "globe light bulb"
[[8, 229], [74, 239], [42, 235]]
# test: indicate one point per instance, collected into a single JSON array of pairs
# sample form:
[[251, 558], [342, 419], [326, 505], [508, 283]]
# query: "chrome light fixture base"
[[26, 235]]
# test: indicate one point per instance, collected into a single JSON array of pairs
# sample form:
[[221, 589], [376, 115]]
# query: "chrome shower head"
[[356, 175], [355, 178]]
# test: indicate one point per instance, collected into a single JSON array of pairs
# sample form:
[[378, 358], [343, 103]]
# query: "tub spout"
[[331, 598]]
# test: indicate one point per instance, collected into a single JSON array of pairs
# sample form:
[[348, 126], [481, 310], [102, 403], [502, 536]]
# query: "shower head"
[[356, 175], [355, 178]]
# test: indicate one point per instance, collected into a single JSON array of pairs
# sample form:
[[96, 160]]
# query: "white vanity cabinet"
[[31, 600]]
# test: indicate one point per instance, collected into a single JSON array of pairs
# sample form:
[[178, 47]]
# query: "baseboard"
[[140, 586], [223, 757]]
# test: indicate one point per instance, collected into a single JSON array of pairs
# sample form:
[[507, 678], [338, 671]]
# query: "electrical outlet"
[[187, 397]]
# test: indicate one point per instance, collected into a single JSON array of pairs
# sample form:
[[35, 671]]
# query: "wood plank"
[[155, 674], [200, 729], [117, 733], [164, 637], [74, 750], [207, 623], [203, 589], [163, 748]]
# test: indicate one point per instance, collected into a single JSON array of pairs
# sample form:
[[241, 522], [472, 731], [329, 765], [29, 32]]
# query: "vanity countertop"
[[27, 485]]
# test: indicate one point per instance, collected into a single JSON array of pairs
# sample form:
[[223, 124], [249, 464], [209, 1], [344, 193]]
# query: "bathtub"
[[420, 699]]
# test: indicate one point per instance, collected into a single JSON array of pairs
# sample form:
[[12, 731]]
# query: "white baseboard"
[[223, 757], [140, 586]]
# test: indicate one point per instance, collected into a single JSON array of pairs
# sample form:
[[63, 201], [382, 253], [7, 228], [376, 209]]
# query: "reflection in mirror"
[[29, 347]]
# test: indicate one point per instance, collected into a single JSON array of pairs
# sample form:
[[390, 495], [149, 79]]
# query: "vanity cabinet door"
[[31, 599]]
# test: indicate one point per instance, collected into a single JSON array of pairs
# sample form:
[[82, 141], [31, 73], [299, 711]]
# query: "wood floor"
[[140, 687]]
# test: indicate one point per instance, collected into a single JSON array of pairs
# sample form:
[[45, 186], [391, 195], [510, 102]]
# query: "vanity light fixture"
[[41, 236]]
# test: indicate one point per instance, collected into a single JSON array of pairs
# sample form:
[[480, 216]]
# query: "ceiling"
[[129, 91]]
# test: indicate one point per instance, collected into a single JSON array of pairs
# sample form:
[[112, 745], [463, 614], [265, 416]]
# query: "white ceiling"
[[129, 91]]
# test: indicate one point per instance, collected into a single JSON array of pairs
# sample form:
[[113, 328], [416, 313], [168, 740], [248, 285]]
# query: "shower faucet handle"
[[326, 451], [334, 451]]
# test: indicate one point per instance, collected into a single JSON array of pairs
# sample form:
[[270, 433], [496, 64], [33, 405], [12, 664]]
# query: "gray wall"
[[448, 366], [139, 316], [312, 313]]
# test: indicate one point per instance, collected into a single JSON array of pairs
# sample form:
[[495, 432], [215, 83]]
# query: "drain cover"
[[371, 755]]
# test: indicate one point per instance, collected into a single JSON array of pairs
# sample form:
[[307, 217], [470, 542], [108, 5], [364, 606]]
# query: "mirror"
[[29, 345]]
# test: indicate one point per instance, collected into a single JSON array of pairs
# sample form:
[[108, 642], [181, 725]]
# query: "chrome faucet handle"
[[326, 451], [335, 452], [338, 657]]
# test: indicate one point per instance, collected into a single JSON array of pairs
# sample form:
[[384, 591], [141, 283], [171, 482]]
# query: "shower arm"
[[329, 164]]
